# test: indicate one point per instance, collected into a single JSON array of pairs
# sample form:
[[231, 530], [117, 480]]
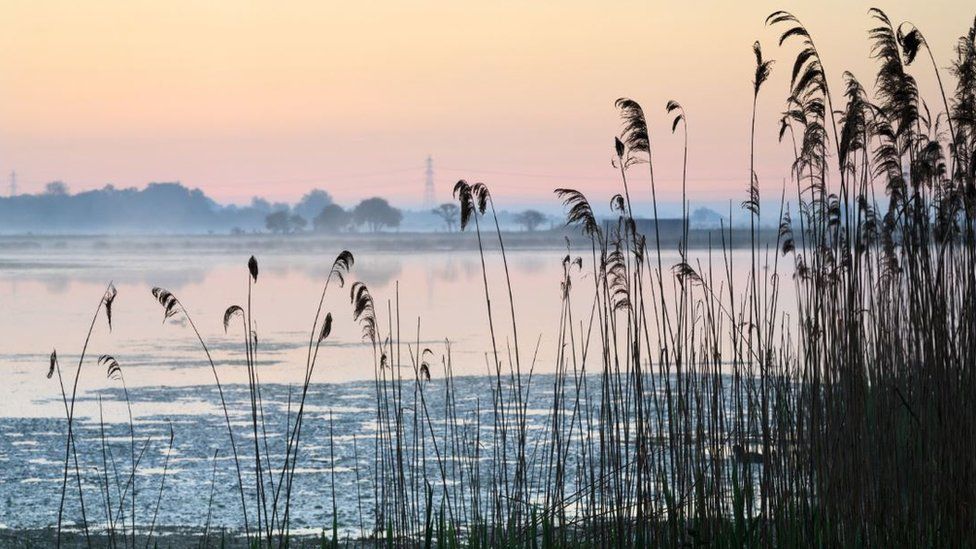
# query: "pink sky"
[[268, 98]]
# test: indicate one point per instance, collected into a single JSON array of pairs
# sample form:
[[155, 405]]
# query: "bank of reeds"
[[690, 407]]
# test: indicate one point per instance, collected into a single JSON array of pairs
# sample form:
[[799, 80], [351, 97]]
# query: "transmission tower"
[[429, 200], [13, 183]]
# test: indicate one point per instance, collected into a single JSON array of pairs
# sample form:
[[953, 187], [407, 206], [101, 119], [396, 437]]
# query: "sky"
[[246, 98]]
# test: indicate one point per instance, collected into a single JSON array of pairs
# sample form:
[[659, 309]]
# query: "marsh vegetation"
[[683, 406]]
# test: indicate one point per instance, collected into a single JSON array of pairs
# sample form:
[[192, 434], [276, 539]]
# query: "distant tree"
[[296, 223], [331, 219], [283, 222], [705, 218], [530, 219], [312, 203], [449, 213], [56, 188], [376, 213], [278, 222], [261, 205]]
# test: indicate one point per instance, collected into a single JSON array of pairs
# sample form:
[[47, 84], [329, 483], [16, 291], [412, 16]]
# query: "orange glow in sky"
[[274, 98]]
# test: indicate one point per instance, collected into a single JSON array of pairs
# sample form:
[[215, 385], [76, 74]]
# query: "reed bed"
[[688, 407]]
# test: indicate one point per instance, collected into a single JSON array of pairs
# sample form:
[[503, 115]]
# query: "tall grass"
[[272, 502], [689, 406]]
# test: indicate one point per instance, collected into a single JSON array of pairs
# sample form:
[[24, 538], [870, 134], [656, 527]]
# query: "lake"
[[47, 298]]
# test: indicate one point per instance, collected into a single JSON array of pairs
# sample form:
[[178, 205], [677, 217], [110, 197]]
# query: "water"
[[47, 297]]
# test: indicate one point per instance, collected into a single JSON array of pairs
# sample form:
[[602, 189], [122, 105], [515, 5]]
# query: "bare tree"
[[448, 212], [530, 219]]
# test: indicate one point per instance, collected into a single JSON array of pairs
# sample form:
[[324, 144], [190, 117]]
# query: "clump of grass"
[[272, 504]]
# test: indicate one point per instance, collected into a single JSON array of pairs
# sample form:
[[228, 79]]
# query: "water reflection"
[[47, 297]]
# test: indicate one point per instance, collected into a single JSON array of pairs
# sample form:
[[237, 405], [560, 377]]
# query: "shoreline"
[[302, 243], [169, 536]]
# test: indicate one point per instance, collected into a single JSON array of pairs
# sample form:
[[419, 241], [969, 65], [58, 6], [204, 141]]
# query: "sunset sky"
[[273, 98]]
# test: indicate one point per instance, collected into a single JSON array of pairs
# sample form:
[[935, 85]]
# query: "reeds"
[[699, 408], [107, 477]]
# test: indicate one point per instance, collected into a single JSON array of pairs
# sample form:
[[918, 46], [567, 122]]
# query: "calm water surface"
[[47, 299]]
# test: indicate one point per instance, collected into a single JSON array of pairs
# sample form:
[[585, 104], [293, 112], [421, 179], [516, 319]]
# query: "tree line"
[[175, 208], [530, 220], [373, 214]]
